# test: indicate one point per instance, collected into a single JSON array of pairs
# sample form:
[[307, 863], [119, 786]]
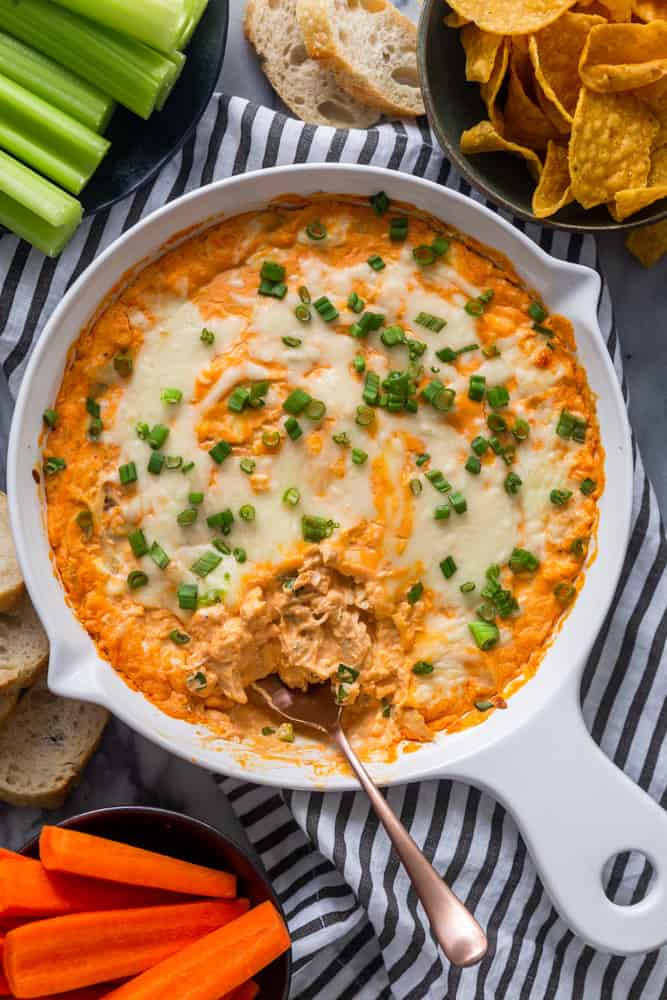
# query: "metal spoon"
[[460, 936]]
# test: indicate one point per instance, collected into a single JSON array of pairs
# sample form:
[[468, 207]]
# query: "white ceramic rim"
[[75, 668]]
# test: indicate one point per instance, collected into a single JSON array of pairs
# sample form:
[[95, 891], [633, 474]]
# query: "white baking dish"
[[574, 807]]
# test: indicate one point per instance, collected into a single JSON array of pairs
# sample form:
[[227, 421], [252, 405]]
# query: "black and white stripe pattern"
[[358, 933]]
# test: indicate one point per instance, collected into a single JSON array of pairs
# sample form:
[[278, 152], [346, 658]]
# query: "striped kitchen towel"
[[357, 930]]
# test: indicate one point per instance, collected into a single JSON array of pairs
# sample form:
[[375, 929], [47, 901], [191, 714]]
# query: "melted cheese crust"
[[292, 606]]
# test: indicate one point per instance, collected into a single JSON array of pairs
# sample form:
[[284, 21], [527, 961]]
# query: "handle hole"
[[628, 877]]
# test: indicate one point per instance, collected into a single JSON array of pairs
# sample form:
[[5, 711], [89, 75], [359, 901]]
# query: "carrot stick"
[[216, 964], [52, 956], [5, 853], [4, 985], [246, 992], [83, 854], [27, 889]]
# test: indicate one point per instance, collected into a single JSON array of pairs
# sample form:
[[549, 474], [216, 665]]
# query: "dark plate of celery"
[[140, 148]]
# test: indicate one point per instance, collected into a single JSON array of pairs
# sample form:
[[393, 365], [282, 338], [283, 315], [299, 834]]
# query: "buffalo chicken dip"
[[333, 440]]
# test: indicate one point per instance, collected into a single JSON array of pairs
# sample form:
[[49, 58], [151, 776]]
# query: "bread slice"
[[8, 703], [372, 44], [11, 580], [24, 648], [44, 747], [309, 89]]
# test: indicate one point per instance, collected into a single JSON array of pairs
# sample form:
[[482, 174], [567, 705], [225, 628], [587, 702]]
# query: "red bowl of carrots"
[[134, 903]]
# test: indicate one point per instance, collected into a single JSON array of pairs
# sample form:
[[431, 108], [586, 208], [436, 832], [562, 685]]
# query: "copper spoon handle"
[[458, 933]]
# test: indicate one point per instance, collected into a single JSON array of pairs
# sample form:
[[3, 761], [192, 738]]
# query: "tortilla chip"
[[555, 52], [489, 91], [481, 49], [648, 244], [651, 10], [619, 10], [624, 56], [553, 191], [511, 17], [562, 124], [483, 138], [632, 200], [454, 20], [525, 122], [610, 148]]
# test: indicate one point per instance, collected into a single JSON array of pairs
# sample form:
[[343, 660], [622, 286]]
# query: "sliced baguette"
[[8, 703], [44, 747], [309, 89], [24, 648], [11, 580], [371, 44]]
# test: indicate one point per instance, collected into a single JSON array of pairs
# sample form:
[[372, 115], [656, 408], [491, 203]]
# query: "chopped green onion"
[[123, 364], [521, 429], [84, 520], [159, 556], [95, 428], [187, 516], [293, 428], [238, 400], [93, 407], [578, 547], [316, 409], [207, 337], [484, 706], [188, 467], [486, 296], [267, 731], [371, 392], [293, 341], [367, 323], [358, 456], [440, 397], [271, 439], [296, 402], [415, 592], [248, 465], [210, 598], [422, 668], [422, 459], [571, 427], [474, 308], [440, 246], [157, 436], [304, 295], [477, 388], [544, 330], [240, 555], [512, 483], [126, 473], [447, 355], [347, 674], [448, 567], [376, 263], [137, 579], [272, 289], [304, 315], [171, 396], [138, 543], [473, 465], [222, 521], [50, 418], [359, 364], [285, 732], [379, 202], [206, 564], [565, 593], [392, 336], [143, 430], [458, 502], [436, 478], [291, 496], [467, 587], [316, 230], [415, 487], [272, 271], [431, 322], [537, 312], [560, 497], [588, 486], [247, 512], [174, 462], [491, 351], [316, 529], [508, 454], [196, 681], [497, 396], [486, 612], [179, 638], [221, 546], [485, 634], [398, 229], [479, 445], [187, 596], [424, 255], [496, 422], [355, 303], [220, 451], [156, 463], [326, 309], [342, 438], [442, 512], [386, 708], [523, 561]]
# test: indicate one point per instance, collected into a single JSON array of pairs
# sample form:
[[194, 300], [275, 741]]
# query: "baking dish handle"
[[576, 810]]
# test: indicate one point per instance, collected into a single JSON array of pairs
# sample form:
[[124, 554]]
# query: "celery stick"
[[127, 70], [158, 23], [35, 209], [194, 12], [47, 139], [178, 60], [54, 83]]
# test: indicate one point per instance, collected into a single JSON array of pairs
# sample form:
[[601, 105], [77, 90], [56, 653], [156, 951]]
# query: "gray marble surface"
[[128, 769]]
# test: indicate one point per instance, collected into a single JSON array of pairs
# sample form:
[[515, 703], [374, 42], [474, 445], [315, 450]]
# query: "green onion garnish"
[[380, 202], [138, 543], [496, 422], [386, 708], [484, 706], [238, 400], [359, 457], [544, 330], [371, 392], [326, 309], [95, 428], [50, 418], [440, 397], [424, 255], [187, 516], [159, 556], [491, 351], [564, 593], [271, 439], [293, 341], [458, 502], [578, 547], [285, 732], [179, 638], [359, 364], [477, 388], [171, 396], [447, 355], [156, 463], [197, 681], [415, 592], [137, 579], [291, 496], [392, 336], [173, 462], [84, 520], [521, 429], [467, 587], [207, 337], [247, 465], [272, 271], [296, 402], [355, 303], [187, 596], [206, 564], [422, 668], [485, 634], [442, 512], [448, 567], [220, 451], [537, 312], [440, 246], [123, 364], [304, 295], [240, 555], [376, 263], [316, 409], [512, 483], [341, 694], [143, 430], [367, 323], [422, 459], [431, 322], [415, 487], [316, 529], [222, 521], [479, 445], [398, 229], [127, 473], [436, 478], [304, 315], [221, 546], [273, 289], [247, 512], [93, 407], [523, 561], [293, 428], [267, 731], [473, 465], [588, 486], [498, 396], [560, 497], [188, 467], [316, 230], [571, 427], [347, 674], [342, 438], [474, 308], [157, 436]]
